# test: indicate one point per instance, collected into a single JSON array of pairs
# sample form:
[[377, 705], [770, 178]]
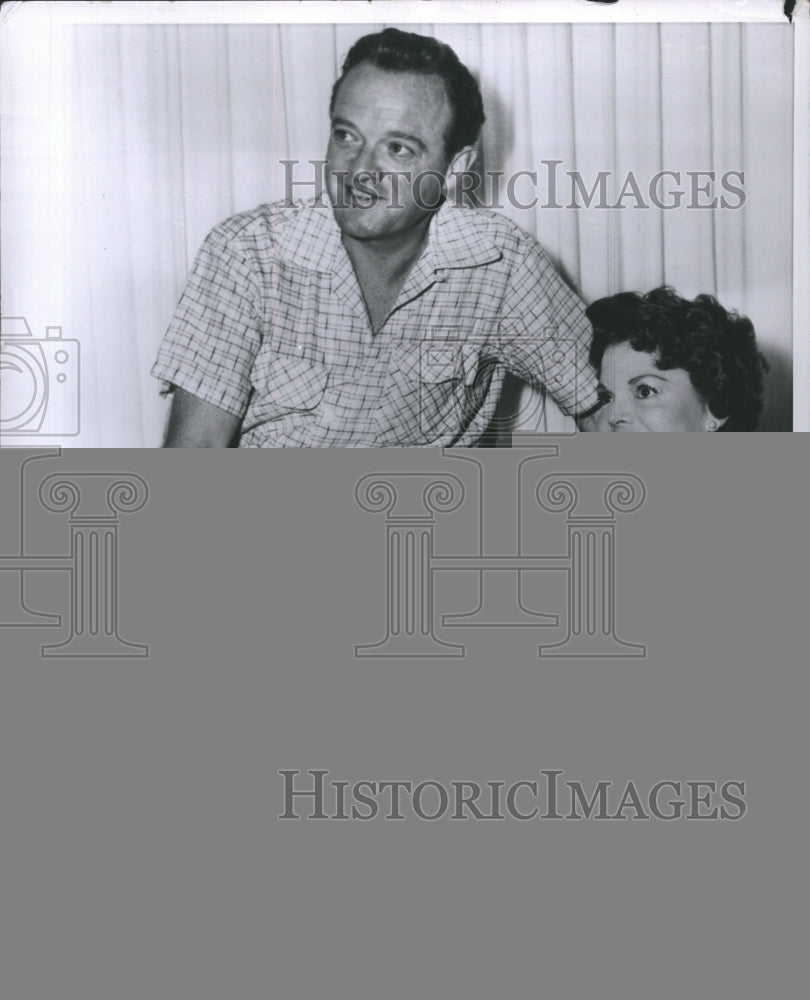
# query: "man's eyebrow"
[[344, 121], [407, 137], [404, 136]]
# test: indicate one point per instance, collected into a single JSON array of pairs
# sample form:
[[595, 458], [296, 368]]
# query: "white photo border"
[[47, 17]]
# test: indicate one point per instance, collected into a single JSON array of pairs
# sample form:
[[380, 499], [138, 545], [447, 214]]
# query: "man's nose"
[[364, 164]]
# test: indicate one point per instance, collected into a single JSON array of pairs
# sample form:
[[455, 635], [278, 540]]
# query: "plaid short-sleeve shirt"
[[272, 327]]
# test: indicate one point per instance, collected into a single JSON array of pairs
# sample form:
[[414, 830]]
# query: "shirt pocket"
[[433, 390], [436, 363], [285, 384]]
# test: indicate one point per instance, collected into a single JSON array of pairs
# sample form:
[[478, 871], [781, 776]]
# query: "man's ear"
[[462, 161], [460, 164]]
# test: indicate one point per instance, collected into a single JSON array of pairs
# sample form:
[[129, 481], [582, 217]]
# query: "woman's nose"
[[617, 411]]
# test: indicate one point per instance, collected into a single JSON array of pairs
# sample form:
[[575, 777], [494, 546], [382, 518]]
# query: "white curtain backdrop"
[[141, 138]]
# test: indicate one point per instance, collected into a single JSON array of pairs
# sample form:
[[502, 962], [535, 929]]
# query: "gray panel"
[[215, 644]]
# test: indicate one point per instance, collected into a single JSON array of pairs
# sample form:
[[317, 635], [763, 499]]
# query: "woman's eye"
[[645, 391]]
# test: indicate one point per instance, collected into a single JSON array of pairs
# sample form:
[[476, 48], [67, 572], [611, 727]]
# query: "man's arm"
[[593, 419], [545, 335], [210, 346], [193, 423]]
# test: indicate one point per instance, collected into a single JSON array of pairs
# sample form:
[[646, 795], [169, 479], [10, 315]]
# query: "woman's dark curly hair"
[[716, 348], [408, 52]]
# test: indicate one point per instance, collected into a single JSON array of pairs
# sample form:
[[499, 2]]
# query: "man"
[[388, 316]]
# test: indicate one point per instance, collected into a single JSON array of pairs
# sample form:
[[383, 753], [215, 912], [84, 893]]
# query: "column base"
[[95, 647], [14, 613], [410, 647], [596, 647]]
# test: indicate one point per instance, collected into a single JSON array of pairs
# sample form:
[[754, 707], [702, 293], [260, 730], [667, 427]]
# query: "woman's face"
[[645, 398]]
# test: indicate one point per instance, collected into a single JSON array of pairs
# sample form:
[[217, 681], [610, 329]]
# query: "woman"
[[671, 364]]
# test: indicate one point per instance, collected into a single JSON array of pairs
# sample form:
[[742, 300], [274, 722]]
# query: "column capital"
[[93, 496], [591, 496], [411, 496]]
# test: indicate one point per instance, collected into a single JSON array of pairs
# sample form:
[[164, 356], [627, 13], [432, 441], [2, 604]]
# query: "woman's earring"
[[711, 425]]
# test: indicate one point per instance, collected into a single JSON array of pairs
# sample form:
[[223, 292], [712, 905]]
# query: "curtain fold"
[[166, 130]]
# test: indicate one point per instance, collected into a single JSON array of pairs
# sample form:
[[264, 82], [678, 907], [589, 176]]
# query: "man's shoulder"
[[487, 226], [267, 225]]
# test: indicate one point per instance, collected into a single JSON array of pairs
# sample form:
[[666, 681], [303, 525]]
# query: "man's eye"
[[644, 391], [399, 150], [342, 135]]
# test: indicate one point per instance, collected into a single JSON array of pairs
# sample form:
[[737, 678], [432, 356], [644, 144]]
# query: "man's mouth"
[[358, 190], [356, 198]]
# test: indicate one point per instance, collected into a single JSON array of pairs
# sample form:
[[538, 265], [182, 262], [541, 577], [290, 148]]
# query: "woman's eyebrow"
[[638, 378]]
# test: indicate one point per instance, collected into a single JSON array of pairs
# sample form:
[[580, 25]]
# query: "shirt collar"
[[457, 239], [312, 239]]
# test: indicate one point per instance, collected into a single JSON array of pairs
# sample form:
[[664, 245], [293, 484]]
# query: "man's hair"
[[404, 51], [716, 348]]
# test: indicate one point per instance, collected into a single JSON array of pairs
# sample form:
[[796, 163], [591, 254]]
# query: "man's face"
[[646, 398], [386, 124]]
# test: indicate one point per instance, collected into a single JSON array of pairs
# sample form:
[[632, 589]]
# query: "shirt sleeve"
[[545, 336], [215, 333]]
